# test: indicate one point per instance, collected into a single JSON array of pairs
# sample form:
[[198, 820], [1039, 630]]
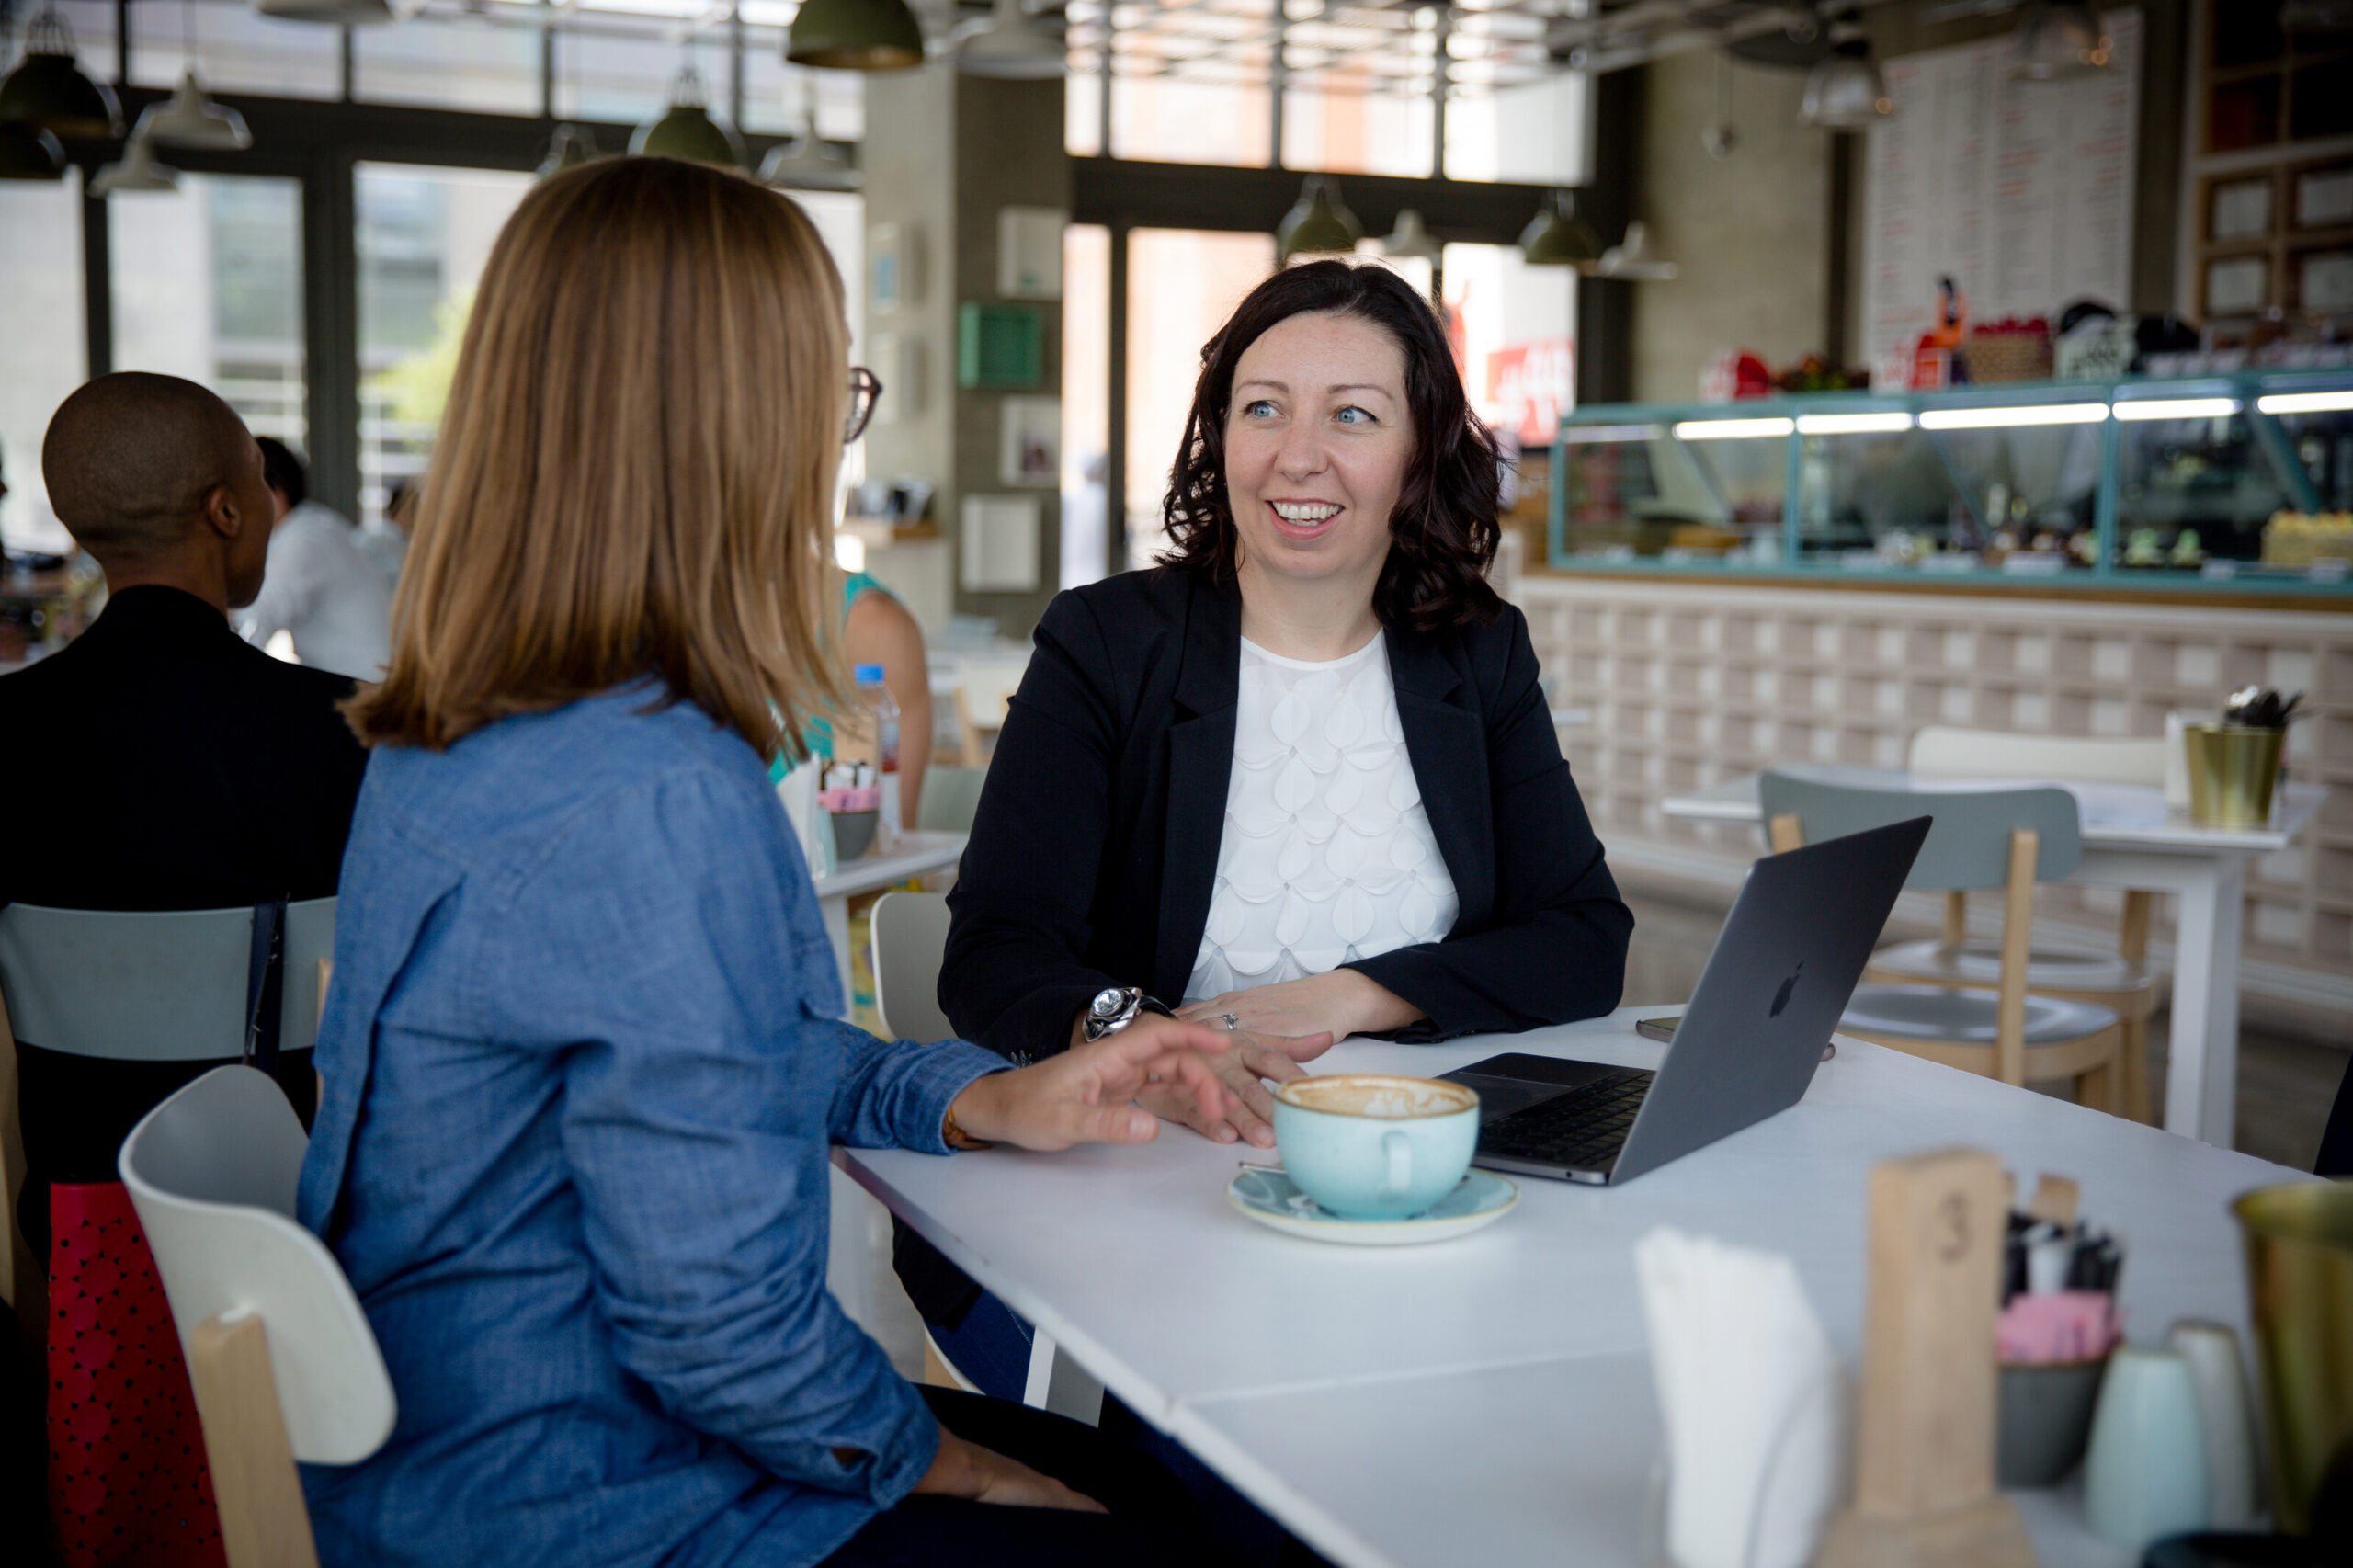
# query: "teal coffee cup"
[[1375, 1146]]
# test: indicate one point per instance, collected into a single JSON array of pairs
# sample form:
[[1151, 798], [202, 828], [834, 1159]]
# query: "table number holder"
[[1924, 1466]]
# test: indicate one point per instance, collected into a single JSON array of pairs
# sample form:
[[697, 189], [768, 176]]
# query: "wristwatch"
[[1116, 1006]]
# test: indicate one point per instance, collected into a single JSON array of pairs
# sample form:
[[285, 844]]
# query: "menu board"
[[2021, 192]]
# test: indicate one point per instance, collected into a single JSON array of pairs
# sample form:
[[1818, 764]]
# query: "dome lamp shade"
[[1011, 46], [1557, 236], [1845, 91], [1319, 223], [50, 90], [571, 146], [27, 151], [2059, 38], [1411, 240], [189, 118], [809, 162], [137, 170], [686, 129], [340, 13], [855, 34]]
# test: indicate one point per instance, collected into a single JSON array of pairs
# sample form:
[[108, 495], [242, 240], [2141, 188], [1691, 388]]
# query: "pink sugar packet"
[[2061, 1325], [868, 799]]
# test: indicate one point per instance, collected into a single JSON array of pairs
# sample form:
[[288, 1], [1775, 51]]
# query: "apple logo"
[[1781, 998]]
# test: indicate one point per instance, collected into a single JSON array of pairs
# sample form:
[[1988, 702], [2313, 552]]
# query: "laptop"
[[1745, 1047]]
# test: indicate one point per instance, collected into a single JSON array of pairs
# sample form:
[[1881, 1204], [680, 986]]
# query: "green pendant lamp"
[[1556, 236], [50, 90], [855, 34], [1319, 225], [689, 131], [27, 151]]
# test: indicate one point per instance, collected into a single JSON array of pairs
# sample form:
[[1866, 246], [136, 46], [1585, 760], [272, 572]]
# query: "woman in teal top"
[[878, 630]]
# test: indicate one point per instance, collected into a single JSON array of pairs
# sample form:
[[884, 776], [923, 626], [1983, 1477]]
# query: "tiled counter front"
[[1691, 683]]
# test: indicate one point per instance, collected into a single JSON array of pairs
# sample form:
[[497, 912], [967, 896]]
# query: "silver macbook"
[[1745, 1047]]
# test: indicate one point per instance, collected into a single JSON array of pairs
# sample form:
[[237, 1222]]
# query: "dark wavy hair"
[[1444, 533]]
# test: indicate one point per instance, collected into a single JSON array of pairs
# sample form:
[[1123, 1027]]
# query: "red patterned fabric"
[[126, 1477]]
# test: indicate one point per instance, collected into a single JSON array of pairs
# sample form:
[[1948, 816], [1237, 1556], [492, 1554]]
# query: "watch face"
[[1107, 1002]]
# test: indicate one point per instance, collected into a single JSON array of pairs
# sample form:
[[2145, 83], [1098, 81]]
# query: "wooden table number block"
[[1924, 1439]]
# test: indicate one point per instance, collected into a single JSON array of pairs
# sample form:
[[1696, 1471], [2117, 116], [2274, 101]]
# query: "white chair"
[[910, 935], [2125, 981], [284, 1366], [983, 695]]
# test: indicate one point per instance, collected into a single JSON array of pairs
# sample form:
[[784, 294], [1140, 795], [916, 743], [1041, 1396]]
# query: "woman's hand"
[[1343, 1002], [967, 1470], [1086, 1094], [1243, 1070]]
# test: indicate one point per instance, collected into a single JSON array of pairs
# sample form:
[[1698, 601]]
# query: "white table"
[[1487, 1400], [917, 853], [2130, 841]]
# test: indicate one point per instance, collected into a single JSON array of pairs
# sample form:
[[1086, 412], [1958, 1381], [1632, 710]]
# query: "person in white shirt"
[[321, 590]]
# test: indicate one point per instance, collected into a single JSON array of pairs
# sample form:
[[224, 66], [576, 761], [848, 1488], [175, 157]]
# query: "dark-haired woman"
[[1298, 780]]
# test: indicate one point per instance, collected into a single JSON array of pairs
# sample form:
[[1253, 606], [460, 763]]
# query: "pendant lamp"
[[1411, 241], [190, 117], [50, 90], [855, 34], [569, 147], [27, 151], [1630, 261], [342, 13], [1845, 91], [687, 129], [809, 162], [2059, 38], [1319, 223], [136, 170], [1008, 45], [1556, 236]]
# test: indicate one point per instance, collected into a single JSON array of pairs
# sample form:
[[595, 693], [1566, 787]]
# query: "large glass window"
[[1181, 287], [423, 236], [207, 285], [484, 60], [1514, 328], [1349, 122], [1087, 402], [234, 49], [1535, 133], [42, 345]]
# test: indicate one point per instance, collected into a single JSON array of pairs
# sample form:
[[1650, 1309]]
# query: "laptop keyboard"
[[1582, 1129]]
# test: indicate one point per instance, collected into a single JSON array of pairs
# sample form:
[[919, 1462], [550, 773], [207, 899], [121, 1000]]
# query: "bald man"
[[159, 761]]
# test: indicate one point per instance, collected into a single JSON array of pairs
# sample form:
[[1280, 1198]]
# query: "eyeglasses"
[[864, 390]]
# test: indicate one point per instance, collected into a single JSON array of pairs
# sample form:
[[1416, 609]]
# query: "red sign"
[[1530, 385]]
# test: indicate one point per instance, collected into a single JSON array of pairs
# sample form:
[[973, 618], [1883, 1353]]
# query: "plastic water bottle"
[[876, 699]]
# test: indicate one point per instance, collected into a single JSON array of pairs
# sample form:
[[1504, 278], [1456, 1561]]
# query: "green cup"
[[2300, 1279], [2233, 770]]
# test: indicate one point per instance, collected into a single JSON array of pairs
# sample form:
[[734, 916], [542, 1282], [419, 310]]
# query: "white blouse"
[[1326, 854]]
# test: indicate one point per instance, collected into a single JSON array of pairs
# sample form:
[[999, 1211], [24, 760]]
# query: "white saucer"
[[1269, 1198]]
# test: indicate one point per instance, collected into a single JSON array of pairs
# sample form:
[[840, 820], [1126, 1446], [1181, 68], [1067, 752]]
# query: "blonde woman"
[[580, 1064]]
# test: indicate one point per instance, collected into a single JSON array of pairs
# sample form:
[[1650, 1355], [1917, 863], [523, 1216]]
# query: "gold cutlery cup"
[[2300, 1282]]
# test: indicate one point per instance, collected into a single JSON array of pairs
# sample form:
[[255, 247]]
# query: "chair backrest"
[[950, 797], [153, 987], [1969, 846], [910, 934], [213, 1173], [2001, 754]]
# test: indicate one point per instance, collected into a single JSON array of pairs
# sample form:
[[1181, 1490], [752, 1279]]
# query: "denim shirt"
[[582, 1068]]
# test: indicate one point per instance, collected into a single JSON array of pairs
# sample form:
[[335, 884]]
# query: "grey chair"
[[910, 934], [2008, 839], [950, 796]]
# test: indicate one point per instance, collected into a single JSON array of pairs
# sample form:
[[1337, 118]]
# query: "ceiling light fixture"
[[50, 90], [2060, 38], [27, 151], [190, 117], [1319, 223], [571, 146], [1008, 45], [1557, 236], [855, 34], [1411, 240], [1630, 261], [809, 162], [341, 13], [688, 129], [136, 170], [1846, 91]]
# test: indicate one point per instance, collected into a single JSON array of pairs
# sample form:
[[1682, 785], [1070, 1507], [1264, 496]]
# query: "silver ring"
[[1231, 1021]]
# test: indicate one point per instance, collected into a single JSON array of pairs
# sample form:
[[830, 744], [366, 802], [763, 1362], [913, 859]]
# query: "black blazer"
[[1094, 852]]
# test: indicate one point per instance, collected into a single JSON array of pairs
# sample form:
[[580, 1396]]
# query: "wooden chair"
[[983, 695], [284, 1365], [2007, 839], [2125, 980]]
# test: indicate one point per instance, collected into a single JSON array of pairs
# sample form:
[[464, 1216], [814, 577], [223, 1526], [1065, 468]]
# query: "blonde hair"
[[635, 472]]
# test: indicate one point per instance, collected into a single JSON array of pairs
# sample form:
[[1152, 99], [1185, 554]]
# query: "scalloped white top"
[[1326, 854]]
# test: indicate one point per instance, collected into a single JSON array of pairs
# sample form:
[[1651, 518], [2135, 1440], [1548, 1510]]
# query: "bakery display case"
[[2244, 480]]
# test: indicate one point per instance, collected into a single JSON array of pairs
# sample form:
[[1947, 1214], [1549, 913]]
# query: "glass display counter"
[[2244, 480]]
